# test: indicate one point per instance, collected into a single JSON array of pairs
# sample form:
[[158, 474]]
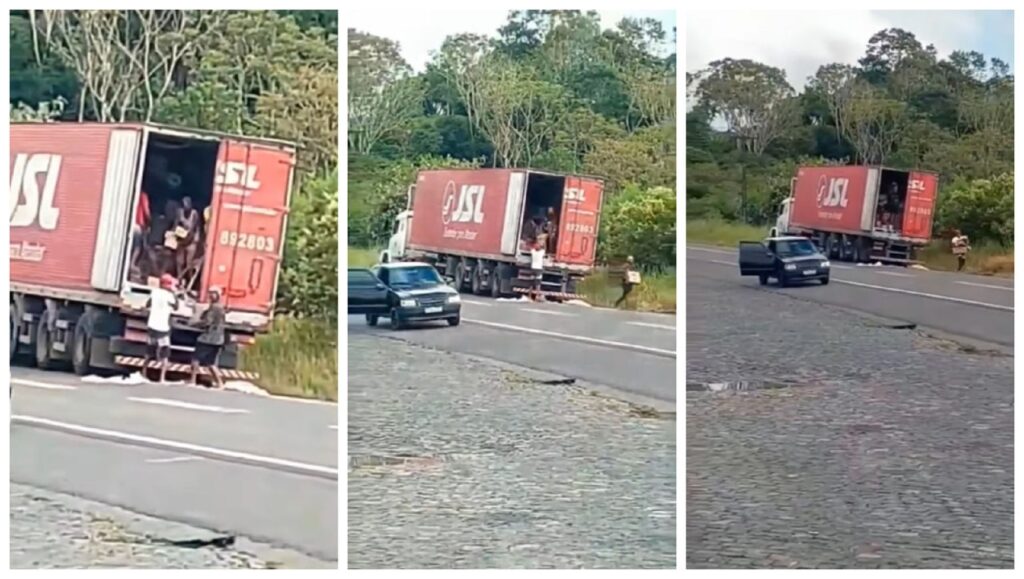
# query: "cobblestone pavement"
[[455, 462], [889, 449], [51, 530]]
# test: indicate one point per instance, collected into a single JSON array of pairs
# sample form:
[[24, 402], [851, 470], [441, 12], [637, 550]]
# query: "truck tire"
[[43, 359], [495, 283], [460, 276], [81, 349], [476, 282], [15, 331], [832, 246]]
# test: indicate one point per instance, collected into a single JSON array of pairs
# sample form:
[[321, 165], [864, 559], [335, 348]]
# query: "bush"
[[309, 280], [641, 223], [981, 208]]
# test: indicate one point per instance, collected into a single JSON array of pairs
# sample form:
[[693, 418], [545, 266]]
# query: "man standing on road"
[[211, 340], [162, 303], [961, 245], [630, 278]]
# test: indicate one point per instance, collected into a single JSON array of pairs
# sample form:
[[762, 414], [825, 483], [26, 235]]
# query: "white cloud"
[[801, 41], [420, 33]]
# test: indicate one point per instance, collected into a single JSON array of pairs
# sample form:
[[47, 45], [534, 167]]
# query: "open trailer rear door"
[[920, 206], [581, 214], [245, 235]]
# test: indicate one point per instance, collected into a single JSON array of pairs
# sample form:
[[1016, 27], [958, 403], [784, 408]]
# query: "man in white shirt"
[[162, 303], [961, 246]]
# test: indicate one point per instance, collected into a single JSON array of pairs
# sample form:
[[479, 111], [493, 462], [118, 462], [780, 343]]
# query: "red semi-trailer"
[[75, 191], [861, 213], [470, 224]]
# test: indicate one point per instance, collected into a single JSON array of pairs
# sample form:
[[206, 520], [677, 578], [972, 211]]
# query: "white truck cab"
[[399, 238], [782, 221]]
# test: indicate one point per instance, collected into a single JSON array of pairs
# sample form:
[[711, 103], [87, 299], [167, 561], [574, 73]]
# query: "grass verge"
[[984, 259], [657, 293], [299, 357]]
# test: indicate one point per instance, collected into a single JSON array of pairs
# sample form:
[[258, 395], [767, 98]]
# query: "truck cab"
[[782, 221], [397, 243]]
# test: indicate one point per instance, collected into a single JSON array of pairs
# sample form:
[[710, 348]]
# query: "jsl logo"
[[832, 191], [236, 174], [33, 186], [464, 207]]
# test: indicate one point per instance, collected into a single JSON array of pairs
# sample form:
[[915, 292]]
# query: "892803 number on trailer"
[[251, 241]]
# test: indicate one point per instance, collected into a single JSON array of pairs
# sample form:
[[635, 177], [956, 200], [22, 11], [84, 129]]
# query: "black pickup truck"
[[404, 292], [790, 260]]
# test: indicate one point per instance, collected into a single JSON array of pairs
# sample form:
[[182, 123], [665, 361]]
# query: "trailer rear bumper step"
[[176, 367]]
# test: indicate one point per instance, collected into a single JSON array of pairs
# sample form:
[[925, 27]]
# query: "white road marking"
[[583, 339], [649, 325], [183, 447], [926, 295], [43, 385], [333, 427], [894, 273], [710, 250], [903, 291], [985, 285], [549, 312], [173, 459], [189, 405], [476, 303]]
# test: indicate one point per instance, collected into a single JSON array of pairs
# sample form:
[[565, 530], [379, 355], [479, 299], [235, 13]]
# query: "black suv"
[[404, 292], [788, 259]]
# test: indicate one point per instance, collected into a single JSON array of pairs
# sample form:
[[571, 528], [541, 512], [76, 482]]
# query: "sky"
[[417, 40], [800, 41]]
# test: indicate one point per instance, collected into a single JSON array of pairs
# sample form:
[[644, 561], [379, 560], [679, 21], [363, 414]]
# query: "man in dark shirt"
[[211, 341]]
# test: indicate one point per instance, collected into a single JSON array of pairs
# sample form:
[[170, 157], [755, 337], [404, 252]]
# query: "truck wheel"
[[43, 359], [763, 279], [832, 246], [396, 321], [476, 283], [460, 276], [495, 283], [81, 350], [15, 330], [371, 320]]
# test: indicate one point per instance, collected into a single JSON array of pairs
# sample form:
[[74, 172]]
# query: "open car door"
[[755, 259]]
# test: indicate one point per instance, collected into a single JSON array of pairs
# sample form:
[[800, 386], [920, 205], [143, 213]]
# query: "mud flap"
[[175, 367]]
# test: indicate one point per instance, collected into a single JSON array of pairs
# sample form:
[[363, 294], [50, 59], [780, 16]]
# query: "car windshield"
[[795, 248], [414, 277]]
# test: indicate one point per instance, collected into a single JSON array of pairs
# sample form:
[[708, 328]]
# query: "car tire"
[[396, 321], [763, 279], [783, 280], [371, 320], [455, 321], [43, 359], [81, 350], [824, 280]]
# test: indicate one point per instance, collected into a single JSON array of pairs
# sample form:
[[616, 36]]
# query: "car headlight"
[[825, 265], [790, 266], [454, 299], [409, 303]]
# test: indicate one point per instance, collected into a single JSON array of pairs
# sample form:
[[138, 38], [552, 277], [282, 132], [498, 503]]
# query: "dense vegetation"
[[901, 106], [257, 73], [552, 90]]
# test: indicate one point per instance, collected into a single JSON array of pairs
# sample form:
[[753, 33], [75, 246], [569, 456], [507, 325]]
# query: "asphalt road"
[[970, 306], [629, 352], [264, 468]]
